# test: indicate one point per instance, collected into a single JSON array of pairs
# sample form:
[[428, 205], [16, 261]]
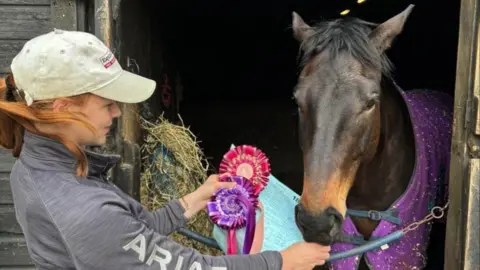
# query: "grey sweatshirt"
[[71, 222]]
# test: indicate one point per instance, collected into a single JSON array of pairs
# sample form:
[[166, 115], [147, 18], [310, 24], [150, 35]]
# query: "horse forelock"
[[346, 35]]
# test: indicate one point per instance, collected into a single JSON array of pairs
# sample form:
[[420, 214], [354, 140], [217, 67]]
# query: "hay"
[[173, 166]]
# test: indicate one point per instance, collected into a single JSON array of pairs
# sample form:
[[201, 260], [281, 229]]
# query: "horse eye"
[[371, 103]]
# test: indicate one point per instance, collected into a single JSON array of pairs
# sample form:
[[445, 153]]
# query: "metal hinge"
[[132, 65]]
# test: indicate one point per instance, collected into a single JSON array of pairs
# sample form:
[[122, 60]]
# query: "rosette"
[[249, 162], [234, 208]]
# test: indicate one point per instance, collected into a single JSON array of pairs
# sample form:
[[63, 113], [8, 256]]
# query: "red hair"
[[15, 116]]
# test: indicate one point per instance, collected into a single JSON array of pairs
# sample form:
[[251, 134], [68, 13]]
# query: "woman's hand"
[[197, 200], [304, 256]]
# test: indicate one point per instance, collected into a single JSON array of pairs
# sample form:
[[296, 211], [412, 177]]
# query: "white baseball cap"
[[68, 63]]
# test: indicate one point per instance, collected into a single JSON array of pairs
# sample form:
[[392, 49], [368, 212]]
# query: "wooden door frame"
[[107, 26], [462, 242]]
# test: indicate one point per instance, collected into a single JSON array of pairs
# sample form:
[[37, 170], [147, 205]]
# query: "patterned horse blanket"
[[431, 114]]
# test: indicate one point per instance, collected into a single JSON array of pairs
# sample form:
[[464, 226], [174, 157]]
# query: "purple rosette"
[[234, 208]]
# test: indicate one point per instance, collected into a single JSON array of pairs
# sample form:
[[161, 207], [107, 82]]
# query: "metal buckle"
[[374, 215]]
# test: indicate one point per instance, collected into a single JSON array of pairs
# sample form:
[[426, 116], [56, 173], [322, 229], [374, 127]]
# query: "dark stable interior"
[[238, 65]]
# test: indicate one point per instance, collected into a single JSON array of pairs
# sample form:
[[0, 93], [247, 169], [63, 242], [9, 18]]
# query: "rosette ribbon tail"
[[231, 242], [250, 224]]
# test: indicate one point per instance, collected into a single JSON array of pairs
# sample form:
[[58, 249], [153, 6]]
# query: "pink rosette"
[[249, 162]]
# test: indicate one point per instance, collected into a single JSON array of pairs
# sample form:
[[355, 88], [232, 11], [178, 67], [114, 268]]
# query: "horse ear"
[[301, 30], [385, 33]]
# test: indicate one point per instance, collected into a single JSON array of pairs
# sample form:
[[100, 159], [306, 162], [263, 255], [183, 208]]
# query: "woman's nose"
[[115, 111]]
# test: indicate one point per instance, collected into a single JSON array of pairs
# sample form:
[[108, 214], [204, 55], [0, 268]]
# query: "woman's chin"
[[102, 140], [98, 141]]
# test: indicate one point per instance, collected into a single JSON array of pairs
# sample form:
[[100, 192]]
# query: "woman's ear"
[[3, 84], [3, 89], [61, 104]]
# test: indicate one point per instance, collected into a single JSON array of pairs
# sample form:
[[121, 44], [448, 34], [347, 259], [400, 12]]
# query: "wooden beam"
[[6, 160], [108, 27], [14, 252], [24, 22], [103, 21], [5, 189], [8, 220], [19, 267], [8, 50], [471, 255], [462, 245], [25, 2]]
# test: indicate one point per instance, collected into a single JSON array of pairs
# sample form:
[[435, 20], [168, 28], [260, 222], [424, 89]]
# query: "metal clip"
[[374, 215], [132, 65]]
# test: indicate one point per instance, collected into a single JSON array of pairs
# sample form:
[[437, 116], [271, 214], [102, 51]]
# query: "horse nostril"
[[297, 218], [335, 218]]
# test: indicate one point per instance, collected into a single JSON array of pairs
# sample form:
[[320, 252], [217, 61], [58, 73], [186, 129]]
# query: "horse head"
[[339, 99]]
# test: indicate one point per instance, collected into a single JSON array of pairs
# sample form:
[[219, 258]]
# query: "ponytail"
[[16, 116], [11, 132]]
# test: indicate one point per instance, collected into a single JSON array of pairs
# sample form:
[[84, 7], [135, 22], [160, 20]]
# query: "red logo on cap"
[[108, 59]]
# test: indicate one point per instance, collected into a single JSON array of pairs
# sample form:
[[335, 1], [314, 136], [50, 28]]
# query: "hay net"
[[174, 165]]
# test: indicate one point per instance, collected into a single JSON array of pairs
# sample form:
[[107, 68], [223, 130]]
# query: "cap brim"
[[128, 88]]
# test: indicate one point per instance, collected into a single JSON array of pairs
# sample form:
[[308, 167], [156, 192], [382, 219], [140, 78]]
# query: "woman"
[[61, 97]]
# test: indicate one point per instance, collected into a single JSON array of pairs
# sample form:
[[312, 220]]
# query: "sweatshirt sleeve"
[[106, 235], [166, 219]]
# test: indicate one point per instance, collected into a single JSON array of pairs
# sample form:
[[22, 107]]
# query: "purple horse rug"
[[431, 116]]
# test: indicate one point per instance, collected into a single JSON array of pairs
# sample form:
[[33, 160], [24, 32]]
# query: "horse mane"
[[350, 35]]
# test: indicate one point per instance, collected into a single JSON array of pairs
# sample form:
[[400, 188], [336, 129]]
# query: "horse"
[[375, 156]]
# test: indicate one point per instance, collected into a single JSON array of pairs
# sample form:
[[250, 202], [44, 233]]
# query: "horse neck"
[[383, 179]]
